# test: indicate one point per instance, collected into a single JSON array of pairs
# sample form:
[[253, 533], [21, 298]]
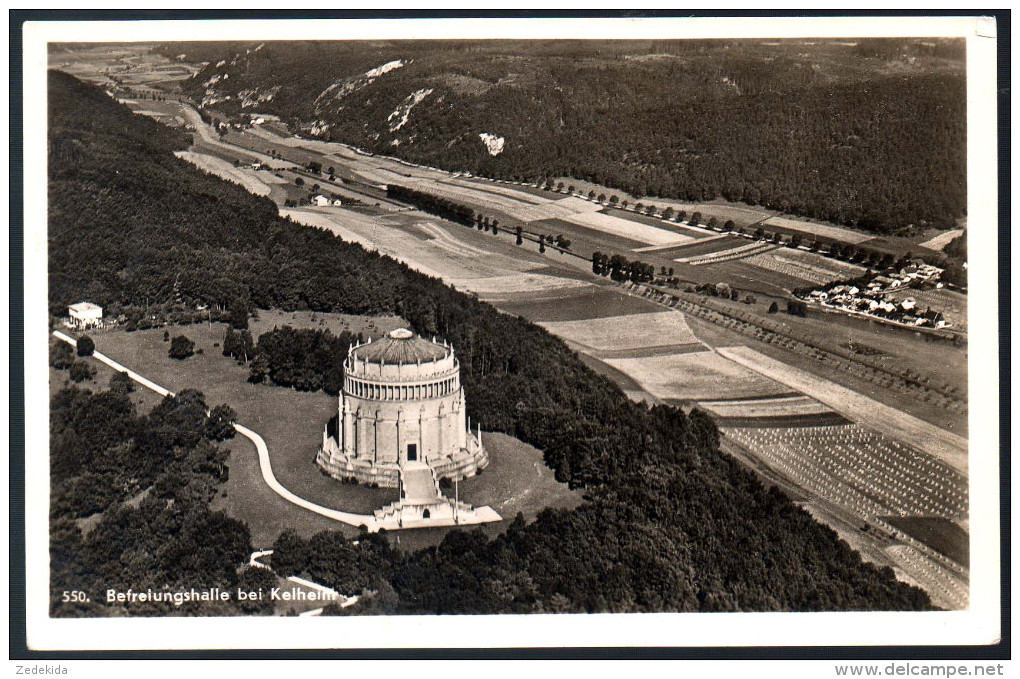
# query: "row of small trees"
[[435, 205], [619, 268], [836, 249], [669, 213], [461, 214]]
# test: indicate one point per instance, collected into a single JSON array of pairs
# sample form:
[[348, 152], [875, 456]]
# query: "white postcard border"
[[979, 625]]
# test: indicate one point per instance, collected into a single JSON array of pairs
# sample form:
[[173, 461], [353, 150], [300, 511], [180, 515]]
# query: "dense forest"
[[307, 360], [670, 523], [146, 481], [867, 133]]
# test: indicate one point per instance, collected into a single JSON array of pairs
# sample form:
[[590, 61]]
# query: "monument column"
[[401, 456], [375, 442], [461, 421], [346, 436], [440, 425]]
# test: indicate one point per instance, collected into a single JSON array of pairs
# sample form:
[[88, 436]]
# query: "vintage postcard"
[[491, 332]]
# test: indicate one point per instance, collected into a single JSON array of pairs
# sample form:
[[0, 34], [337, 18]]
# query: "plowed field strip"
[[939, 443]]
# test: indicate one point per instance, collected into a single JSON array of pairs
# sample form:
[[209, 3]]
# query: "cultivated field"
[[809, 267], [252, 181], [830, 232], [386, 176], [684, 228], [766, 407], [126, 65], [509, 191], [558, 209], [330, 222], [738, 252], [643, 233], [577, 304], [944, 536], [261, 141], [939, 443], [520, 207], [937, 361], [946, 589], [742, 215], [622, 333], [940, 241], [497, 286], [895, 245], [696, 376], [705, 247], [489, 265], [860, 469], [583, 239], [742, 275], [678, 247], [876, 480], [898, 348]]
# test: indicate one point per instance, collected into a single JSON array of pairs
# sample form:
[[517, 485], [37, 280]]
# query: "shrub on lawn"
[[86, 346], [81, 371], [181, 347]]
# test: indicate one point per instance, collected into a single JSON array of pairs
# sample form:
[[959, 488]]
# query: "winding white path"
[[265, 464], [345, 601], [148, 384], [481, 514]]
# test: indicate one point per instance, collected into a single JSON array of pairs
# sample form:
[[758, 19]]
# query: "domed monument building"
[[402, 423]]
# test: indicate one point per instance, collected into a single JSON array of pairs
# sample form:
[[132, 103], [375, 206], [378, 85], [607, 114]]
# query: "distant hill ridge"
[[862, 133]]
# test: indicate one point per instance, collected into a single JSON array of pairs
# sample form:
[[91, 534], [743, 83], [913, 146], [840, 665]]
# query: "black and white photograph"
[[451, 325]]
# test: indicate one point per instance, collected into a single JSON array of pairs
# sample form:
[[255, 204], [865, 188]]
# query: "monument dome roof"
[[401, 346]]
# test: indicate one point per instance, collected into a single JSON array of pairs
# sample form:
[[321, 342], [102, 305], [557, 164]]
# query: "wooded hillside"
[[864, 133]]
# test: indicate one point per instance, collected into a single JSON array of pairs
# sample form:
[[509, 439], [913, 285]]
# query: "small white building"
[[320, 200], [337, 202], [85, 315]]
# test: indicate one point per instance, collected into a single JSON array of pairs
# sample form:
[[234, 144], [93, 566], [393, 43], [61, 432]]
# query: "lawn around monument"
[[291, 423]]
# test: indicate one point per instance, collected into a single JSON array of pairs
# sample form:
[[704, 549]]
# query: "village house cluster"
[[876, 297]]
